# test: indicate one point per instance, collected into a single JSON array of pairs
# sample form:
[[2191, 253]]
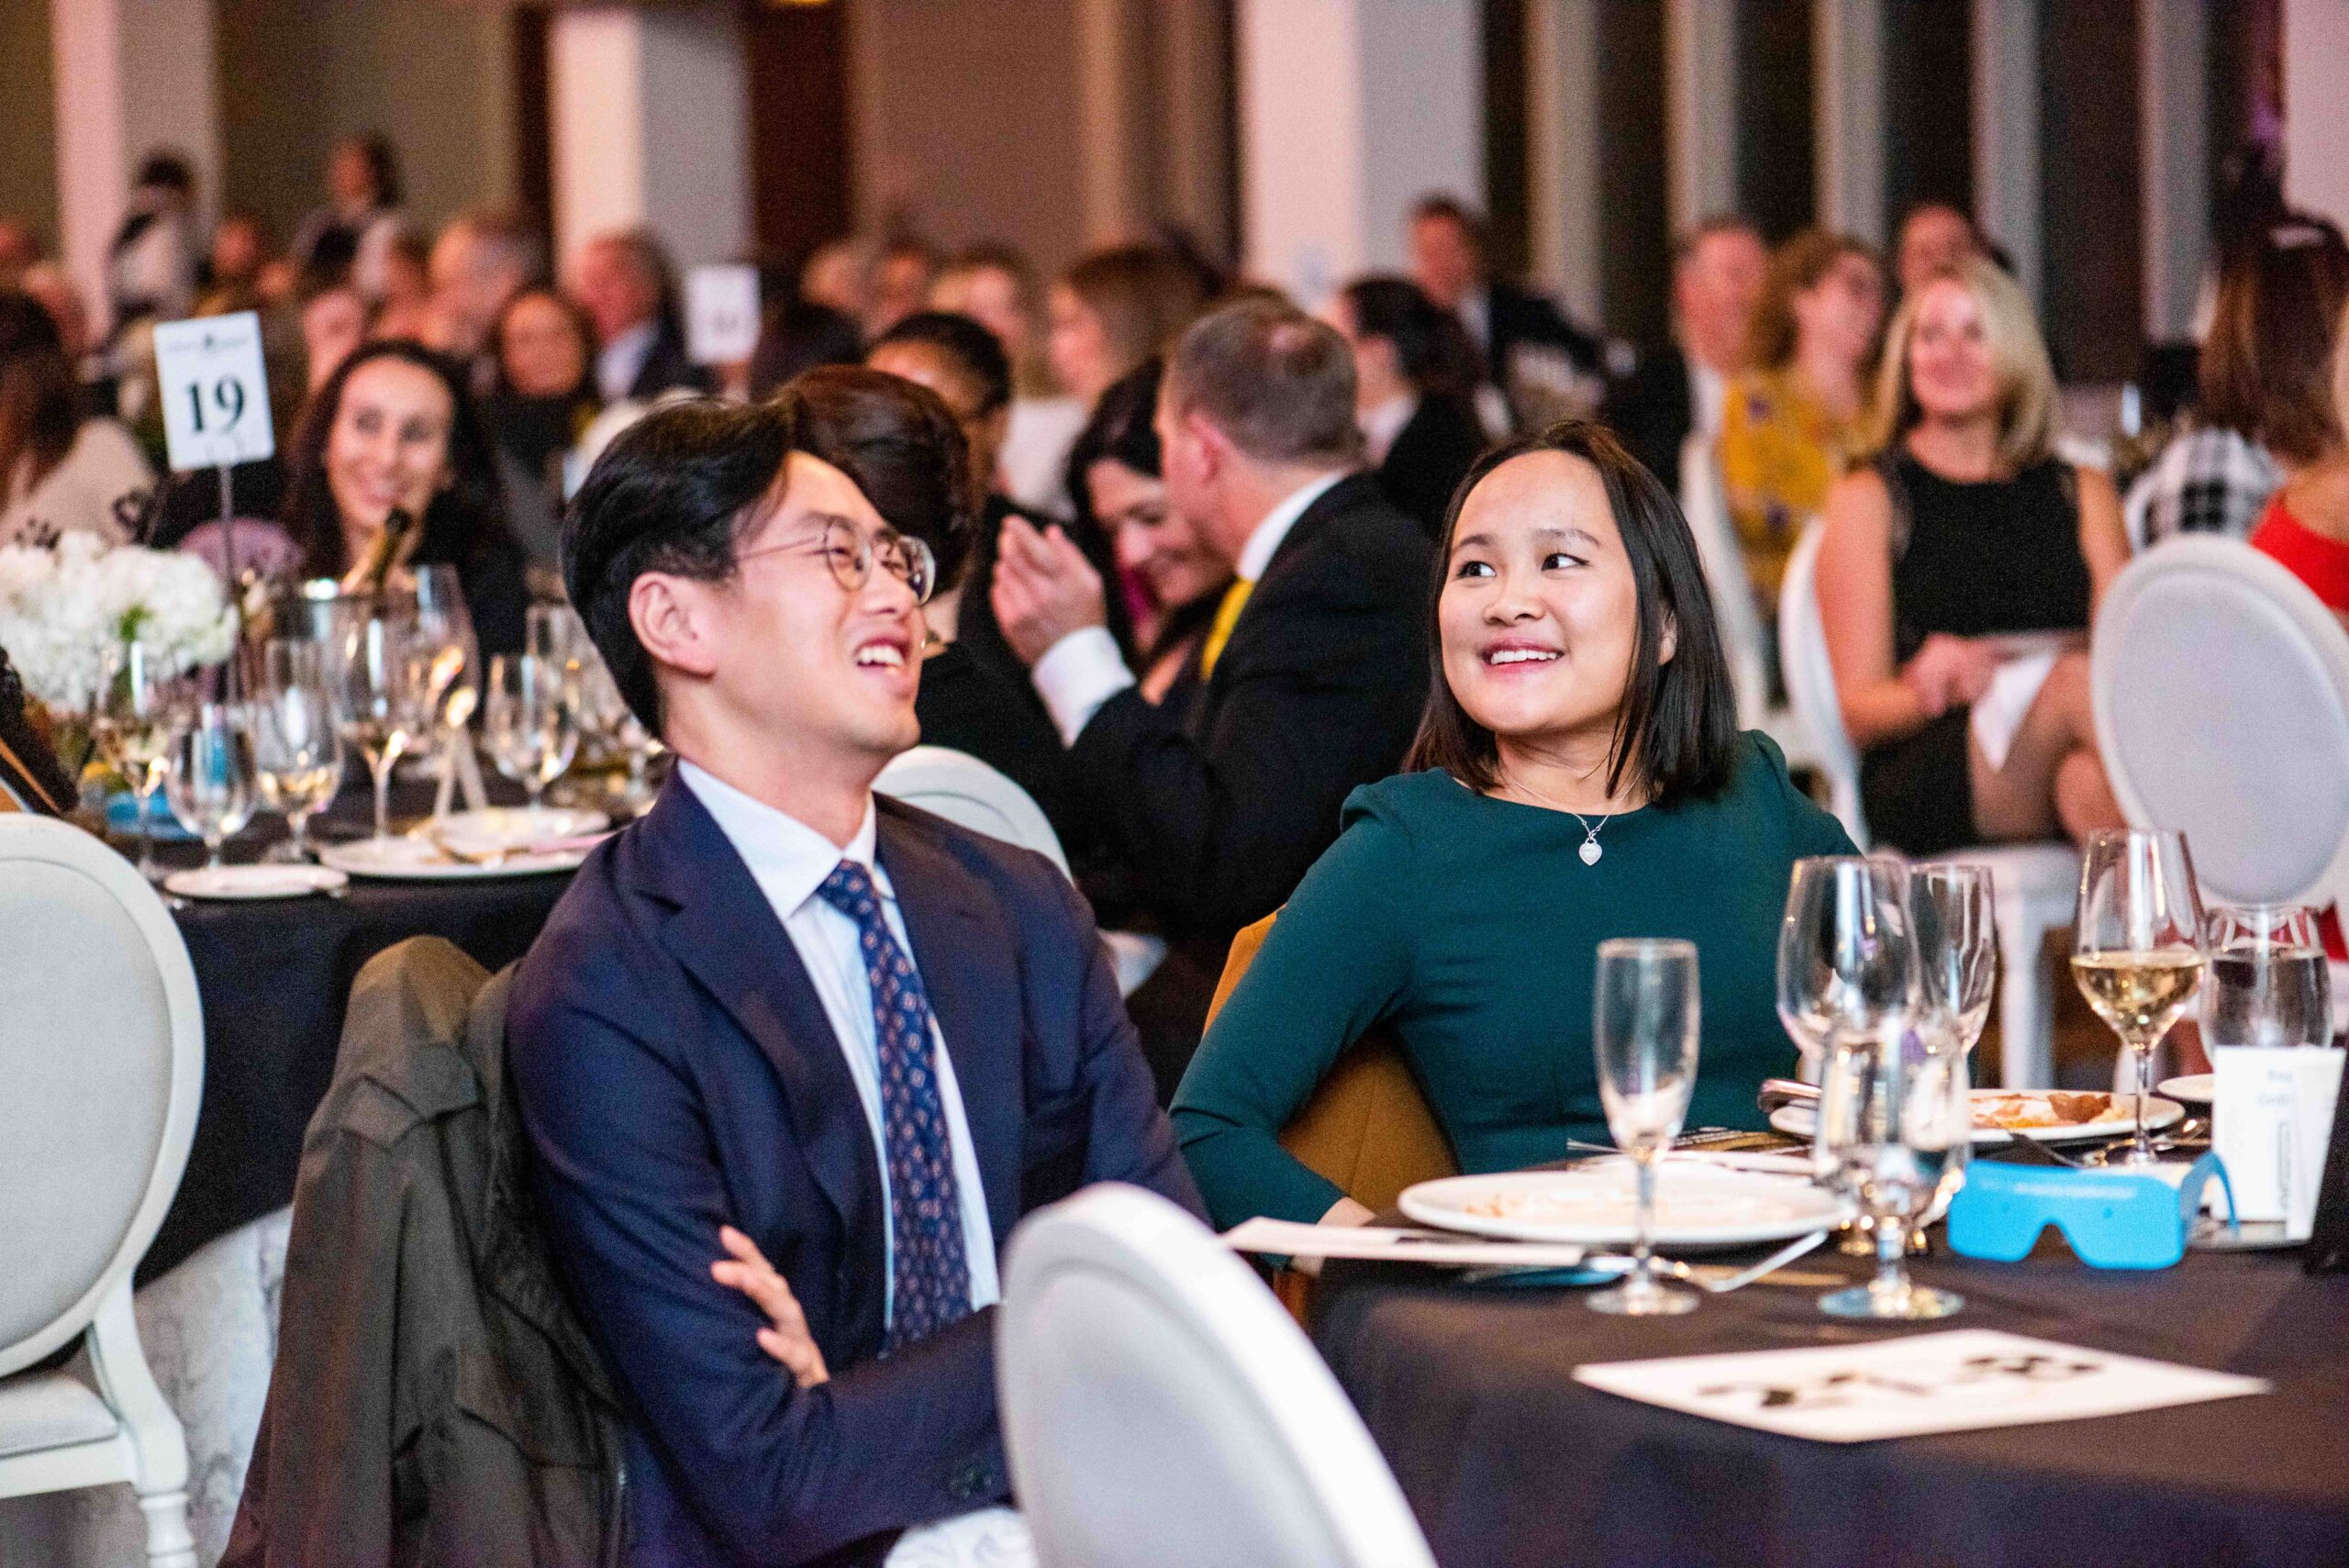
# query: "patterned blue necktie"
[[931, 1281]]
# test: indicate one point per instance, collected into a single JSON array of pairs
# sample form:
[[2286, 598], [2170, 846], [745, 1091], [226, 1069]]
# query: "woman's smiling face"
[[1540, 609]]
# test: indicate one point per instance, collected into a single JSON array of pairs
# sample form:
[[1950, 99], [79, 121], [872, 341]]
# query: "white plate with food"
[[2043, 1116], [1697, 1206], [421, 859], [2194, 1089], [510, 830], [263, 880]]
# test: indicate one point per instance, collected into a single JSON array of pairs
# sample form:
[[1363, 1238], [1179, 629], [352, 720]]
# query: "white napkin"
[[1999, 714]]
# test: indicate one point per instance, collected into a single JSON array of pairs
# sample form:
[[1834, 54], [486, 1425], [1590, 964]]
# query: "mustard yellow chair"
[[1367, 1128]]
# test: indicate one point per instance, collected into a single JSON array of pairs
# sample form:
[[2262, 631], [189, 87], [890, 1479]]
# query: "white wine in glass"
[[2137, 951], [130, 725]]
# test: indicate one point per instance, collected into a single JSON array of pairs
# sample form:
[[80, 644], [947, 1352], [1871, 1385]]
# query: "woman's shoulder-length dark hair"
[[1676, 730], [464, 515]]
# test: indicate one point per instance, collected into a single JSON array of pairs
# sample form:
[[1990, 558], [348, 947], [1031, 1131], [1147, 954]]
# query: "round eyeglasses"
[[851, 554]]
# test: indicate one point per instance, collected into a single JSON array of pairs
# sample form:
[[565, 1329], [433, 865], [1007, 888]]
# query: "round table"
[[1505, 1459]]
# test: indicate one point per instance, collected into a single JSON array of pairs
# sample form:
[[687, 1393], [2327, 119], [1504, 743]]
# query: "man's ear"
[[673, 619], [1214, 448]]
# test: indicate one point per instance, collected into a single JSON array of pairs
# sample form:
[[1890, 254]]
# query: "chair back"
[[1162, 1411], [2220, 688], [102, 1051], [969, 794], [1366, 1128], [1703, 501], [1810, 682]]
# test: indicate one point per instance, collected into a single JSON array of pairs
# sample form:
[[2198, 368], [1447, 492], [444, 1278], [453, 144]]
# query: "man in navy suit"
[[858, 1039]]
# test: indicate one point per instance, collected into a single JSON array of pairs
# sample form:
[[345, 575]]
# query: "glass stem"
[[1643, 1248], [300, 822], [146, 836], [212, 847], [2141, 1146], [382, 773], [1891, 1258]]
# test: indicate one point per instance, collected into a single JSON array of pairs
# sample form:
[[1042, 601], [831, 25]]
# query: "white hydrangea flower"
[[63, 610]]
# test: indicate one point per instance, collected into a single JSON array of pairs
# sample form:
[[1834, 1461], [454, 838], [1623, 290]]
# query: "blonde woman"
[[1791, 424], [1957, 578]]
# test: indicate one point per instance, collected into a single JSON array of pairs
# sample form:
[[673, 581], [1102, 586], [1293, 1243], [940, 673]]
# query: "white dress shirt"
[[1707, 395], [1383, 424], [789, 861], [621, 360], [1084, 670]]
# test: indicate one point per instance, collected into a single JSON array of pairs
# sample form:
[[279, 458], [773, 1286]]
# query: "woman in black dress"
[[1964, 544], [1415, 379]]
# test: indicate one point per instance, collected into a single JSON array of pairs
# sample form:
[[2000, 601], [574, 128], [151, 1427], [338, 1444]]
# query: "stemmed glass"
[[530, 724], [297, 746], [2270, 984], [130, 724], [1644, 1031], [383, 698], [208, 773], [2137, 951], [1896, 1122], [1949, 909]]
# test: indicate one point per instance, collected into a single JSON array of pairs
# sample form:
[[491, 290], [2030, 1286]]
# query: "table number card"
[[1953, 1381], [2270, 1123], [721, 313], [213, 390]]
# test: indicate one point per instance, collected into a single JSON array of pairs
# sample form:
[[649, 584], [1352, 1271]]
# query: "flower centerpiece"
[[67, 609]]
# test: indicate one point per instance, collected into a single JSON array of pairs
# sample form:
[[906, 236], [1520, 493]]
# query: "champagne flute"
[[2137, 951], [2269, 985], [208, 773], [130, 725], [1949, 909], [383, 696], [530, 724], [1644, 1033], [1896, 1122], [297, 746]]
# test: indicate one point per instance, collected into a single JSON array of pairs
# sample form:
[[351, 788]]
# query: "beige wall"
[[434, 75], [28, 125]]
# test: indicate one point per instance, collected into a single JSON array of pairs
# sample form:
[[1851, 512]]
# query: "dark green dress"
[[1470, 924]]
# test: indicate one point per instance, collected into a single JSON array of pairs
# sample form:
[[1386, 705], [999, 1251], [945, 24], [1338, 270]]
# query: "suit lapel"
[[970, 970], [727, 936], [1327, 508]]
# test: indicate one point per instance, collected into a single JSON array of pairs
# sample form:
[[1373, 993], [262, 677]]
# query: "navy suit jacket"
[[676, 1071]]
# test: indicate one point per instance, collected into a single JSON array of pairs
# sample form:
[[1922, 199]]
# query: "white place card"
[[2271, 1121], [1289, 1238], [1956, 1381], [721, 313], [215, 393]]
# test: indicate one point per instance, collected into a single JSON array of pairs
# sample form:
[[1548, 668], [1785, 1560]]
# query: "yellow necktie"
[[1226, 615]]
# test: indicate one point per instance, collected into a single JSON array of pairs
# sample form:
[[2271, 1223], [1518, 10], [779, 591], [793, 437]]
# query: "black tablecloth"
[[1506, 1460], [274, 977]]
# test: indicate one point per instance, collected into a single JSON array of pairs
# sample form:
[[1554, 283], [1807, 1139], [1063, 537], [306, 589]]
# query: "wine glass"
[[1949, 909], [1846, 961], [209, 774], [2137, 951], [1645, 1036], [2269, 982], [1896, 1122], [530, 725], [130, 726], [383, 698], [297, 746]]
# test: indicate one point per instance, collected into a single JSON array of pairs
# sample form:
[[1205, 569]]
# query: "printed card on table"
[[1951, 1382]]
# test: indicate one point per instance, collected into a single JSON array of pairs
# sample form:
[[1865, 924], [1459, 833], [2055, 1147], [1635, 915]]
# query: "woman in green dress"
[[1578, 775]]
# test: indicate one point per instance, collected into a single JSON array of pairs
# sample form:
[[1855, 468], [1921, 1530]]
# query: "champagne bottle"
[[392, 546]]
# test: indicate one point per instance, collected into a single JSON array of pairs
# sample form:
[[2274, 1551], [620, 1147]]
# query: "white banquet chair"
[[1703, 501], [101, 1048], [972, 794], [1161, 1409], [2034, 887], [2221, 689]]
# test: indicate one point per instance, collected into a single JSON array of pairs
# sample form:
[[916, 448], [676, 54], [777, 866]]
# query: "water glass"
[[208, 775], [1896, 1122], [1644, 1031], [2269, 983], [530, 724], [2137, 947], [1956, 932], [1847, 965], [297, 747], [130, 725]]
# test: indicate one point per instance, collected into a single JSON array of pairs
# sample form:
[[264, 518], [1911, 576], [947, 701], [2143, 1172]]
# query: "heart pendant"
[[1590, 851]]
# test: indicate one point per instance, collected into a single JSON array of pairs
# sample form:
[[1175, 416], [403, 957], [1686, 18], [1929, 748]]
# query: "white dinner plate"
[[1697, 1206], [267, 879], [1798, 1122], [2194, 1088], [501, 829], [419, 859]]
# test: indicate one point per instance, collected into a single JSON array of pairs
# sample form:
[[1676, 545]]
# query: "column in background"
[[1847, 98], [2006, 130], [1562, 134], [2173, 161], [2316, 107], [1700, 84]]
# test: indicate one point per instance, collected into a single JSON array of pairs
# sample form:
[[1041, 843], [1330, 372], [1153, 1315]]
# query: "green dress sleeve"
[[1338, 960]]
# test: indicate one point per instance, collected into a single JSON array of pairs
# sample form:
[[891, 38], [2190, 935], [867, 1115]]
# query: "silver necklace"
[[1590, 850]]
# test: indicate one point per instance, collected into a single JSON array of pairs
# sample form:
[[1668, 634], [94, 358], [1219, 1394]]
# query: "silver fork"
[[1712, 1285]]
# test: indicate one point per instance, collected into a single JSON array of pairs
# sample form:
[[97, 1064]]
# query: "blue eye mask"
[[2112, 1219]]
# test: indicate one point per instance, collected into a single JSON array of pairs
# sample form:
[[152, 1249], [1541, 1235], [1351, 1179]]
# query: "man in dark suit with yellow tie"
[[1312, 676]]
